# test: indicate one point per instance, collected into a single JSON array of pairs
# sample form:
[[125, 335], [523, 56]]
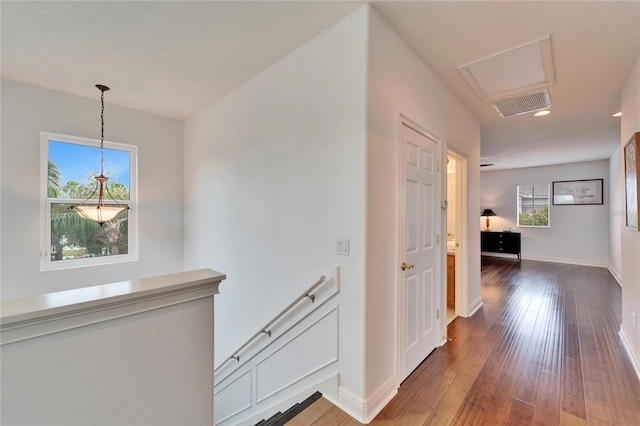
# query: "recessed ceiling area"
[[176, 58]]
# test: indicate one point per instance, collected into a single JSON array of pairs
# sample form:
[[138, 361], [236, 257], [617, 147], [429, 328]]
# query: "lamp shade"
[[99, 213], [488, 212]]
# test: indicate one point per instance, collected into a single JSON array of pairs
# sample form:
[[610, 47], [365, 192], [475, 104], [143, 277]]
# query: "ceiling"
[[175, 58]]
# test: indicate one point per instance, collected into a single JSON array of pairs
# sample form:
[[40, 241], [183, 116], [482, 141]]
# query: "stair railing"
[[266, 329]]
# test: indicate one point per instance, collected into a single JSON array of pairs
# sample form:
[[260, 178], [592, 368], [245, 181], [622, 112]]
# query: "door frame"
[[400, 242], [462, 275]]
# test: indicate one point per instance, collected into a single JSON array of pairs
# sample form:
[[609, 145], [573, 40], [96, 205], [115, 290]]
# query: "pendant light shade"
[[100, 212]]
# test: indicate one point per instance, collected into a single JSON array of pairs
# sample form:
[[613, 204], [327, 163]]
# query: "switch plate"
[[342, 246]]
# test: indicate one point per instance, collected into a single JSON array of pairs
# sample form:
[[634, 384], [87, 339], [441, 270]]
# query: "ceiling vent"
[[523, 104]]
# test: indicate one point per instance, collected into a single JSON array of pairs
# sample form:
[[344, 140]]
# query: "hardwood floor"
[[543, 350]]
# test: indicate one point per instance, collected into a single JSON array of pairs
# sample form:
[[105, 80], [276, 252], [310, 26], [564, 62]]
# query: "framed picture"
[[632, 179], [577, 192]]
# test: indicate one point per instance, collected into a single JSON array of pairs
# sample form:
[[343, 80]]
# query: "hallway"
[[544, 349]]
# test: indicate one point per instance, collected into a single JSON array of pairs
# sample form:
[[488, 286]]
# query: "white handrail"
[[266, 330]]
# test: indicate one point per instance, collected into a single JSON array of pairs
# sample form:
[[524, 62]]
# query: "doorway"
[[451, 236], [455, 287]]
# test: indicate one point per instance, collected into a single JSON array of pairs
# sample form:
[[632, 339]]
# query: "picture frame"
[[632, 180], [578, 192]]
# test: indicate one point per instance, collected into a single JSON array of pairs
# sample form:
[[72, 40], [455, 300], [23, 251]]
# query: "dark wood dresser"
[[500, 242]]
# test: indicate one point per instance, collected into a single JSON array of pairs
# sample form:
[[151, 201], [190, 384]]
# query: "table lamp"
[[487, 213]]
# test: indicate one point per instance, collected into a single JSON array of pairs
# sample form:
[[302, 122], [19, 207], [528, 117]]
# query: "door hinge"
[[438, 239], [437, 165], [437, 313]]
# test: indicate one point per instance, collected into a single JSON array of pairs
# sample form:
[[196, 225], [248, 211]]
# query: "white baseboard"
[[500, 255], [365, 411], [380, 398], [580, 262], [350, 403], [475, 306], [632, 351], [615, 275]]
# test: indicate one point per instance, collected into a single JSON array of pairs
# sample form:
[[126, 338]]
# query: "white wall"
[[630, 239], [283, 165], [274, 174], [577, 234], [27, 110], [400, 83]]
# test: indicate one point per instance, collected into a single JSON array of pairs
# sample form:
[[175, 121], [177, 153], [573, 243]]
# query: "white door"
[[421, 259]]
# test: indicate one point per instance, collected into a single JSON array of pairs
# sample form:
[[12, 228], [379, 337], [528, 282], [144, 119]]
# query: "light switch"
[[342, 246]]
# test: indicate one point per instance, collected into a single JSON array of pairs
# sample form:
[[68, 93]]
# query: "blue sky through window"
[[76, 162]]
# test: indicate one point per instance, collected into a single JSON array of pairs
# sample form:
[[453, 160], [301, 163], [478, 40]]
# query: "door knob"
[[406, 266]]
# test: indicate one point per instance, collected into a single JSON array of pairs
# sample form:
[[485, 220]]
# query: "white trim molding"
[[615, 275], [365, 410], [350, 403], [381, 397], [50, 313], [632, 351], [475, 306]]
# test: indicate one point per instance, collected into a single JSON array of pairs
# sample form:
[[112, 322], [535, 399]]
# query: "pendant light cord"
[[102, 89], [102, 134], [100, 212]]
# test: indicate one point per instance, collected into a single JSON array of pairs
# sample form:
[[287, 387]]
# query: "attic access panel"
[[512, 72]]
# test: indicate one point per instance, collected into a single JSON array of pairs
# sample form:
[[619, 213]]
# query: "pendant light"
[[100, 212]]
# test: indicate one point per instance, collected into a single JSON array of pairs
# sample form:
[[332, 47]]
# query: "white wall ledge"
[[26, 318]]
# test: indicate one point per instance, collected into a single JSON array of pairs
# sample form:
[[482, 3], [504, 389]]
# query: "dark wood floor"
[[543, 350]]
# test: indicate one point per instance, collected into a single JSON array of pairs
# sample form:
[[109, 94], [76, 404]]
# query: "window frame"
[[46, 264], [519, 205]]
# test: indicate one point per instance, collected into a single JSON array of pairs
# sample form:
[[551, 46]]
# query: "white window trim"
[[46, 264], [518, 206]]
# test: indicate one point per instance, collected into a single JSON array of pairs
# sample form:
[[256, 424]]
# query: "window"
[[68, 168], [533, 205]]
